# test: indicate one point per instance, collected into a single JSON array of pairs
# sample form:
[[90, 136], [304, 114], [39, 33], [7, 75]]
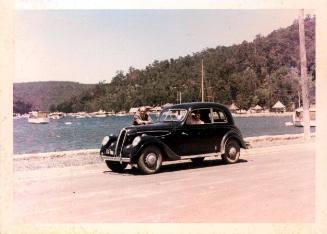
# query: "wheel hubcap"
[[232, 153], [151, 159]]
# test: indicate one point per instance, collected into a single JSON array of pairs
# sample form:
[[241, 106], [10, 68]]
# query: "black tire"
[[116, 166], [150, 160], [232, 152], [197, 160]]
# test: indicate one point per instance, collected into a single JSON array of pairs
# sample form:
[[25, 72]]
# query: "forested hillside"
[[45, 95], [258, 72]]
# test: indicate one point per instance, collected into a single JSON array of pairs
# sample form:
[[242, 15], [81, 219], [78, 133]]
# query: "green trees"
[[258, 72], [21, 107]]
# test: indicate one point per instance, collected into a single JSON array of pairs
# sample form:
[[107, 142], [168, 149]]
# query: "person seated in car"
[[194, 118], [141, 117]]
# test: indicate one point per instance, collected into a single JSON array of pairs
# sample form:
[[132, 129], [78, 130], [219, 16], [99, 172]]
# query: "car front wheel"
[[232, 151], [116, 166], [150, 160]]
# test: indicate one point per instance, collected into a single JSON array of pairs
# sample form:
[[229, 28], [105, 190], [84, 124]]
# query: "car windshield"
[[172, 115]]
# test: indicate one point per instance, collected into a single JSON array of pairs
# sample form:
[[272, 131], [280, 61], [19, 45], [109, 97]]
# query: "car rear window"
[[219, 116]]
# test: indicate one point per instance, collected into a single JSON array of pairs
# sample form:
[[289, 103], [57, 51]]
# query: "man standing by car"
[[141, 117]]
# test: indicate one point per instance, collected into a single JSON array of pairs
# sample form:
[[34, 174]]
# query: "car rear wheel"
[[116, 166], [232, 151], [197, 160], [150, 160]]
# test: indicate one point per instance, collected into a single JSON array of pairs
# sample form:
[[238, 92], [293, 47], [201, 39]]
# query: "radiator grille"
[[120, 143]]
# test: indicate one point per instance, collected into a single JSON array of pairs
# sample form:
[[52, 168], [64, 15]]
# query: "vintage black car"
[[175, 137]]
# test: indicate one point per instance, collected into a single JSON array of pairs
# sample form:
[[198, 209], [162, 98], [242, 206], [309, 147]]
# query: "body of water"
[[87, 133]]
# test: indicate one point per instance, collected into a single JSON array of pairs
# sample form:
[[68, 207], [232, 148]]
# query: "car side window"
[[199, 116], [219, 116]]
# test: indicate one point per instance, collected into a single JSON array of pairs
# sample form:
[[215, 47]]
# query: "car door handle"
[[184, 133]]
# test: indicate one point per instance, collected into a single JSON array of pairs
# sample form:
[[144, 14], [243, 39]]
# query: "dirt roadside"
[[91, 156]]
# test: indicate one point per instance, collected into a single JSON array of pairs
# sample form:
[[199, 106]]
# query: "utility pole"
[[179, 97], [304, 78], [202, 81]]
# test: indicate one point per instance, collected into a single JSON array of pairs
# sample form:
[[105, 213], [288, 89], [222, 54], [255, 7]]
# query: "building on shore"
[[256, 109], [278, 107]]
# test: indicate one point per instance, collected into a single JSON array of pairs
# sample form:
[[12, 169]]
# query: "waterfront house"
[[279, 107], [256, 109]]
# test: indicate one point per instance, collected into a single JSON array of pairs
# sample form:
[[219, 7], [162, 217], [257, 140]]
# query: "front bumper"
[[116, 159], [109, 154]]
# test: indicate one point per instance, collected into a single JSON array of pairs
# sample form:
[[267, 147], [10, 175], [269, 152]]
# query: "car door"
[[220, 127], [192, 139]]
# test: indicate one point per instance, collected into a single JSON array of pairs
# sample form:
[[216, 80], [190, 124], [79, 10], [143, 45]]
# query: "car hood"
[[158, 126]]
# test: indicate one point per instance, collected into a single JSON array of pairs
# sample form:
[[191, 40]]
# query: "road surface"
[[269, 184]]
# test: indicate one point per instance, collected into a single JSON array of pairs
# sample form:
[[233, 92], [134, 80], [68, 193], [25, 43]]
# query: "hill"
[[262, 72], [43, 95]]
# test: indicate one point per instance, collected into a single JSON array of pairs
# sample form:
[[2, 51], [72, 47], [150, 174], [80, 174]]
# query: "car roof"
[[197, 105]]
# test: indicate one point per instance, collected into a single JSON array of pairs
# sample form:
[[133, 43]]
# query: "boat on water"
[[99, 114], [121, 113], [17, 116], [38, 117], [56, 115], [81, 115], [298, 117]]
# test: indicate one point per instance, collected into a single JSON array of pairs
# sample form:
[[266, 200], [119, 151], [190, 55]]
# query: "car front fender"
[[147, 140], [112, 139]]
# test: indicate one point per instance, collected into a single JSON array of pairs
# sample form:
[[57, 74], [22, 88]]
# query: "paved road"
[[270, 184]]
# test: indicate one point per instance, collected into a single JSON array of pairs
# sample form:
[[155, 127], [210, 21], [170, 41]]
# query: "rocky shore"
[[91, 156]]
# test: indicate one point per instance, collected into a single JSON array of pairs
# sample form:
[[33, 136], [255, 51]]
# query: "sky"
[[89, 46]]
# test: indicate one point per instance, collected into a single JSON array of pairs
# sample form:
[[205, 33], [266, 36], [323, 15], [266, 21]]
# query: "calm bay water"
[[87, 133]]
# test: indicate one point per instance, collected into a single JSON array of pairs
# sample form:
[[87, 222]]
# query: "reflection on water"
[[73, 134]]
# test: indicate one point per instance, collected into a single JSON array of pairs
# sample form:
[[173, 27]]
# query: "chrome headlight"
[[136, 141], [105, 140]]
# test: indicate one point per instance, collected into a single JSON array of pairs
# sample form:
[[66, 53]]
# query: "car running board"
[[201, 156]]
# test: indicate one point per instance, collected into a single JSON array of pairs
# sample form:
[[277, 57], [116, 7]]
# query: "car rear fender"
[[146, 141], [232, 134]]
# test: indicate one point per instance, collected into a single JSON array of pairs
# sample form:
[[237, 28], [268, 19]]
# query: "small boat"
[[81, 115], [110, 113], [38, 117], [17, 116], [298, 117], [99, 114], [121, 113], [56, 115]]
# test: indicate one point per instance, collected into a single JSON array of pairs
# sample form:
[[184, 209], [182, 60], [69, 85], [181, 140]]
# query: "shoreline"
[[36, 161], [254, 143], [266, 114]]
